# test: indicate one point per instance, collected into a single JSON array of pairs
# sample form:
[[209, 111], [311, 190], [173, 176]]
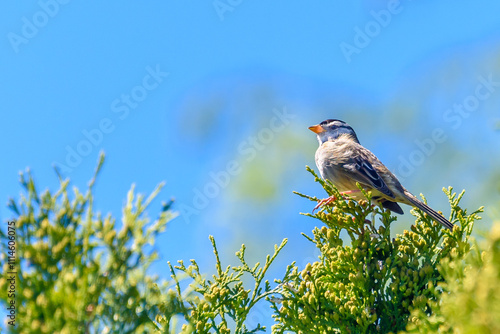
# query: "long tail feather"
[[425, 208]]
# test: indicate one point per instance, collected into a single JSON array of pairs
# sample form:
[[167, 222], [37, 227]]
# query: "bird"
[[341, 159]]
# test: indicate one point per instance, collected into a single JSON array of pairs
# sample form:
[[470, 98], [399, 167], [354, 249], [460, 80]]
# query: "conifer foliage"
[[367, 281], [81, 272]]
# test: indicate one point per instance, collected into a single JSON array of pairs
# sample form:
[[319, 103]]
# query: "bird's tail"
[[425, 208]]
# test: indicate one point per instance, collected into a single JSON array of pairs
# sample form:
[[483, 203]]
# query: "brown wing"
[[362, 171]]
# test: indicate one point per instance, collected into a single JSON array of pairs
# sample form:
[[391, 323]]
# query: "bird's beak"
[[316, 128]]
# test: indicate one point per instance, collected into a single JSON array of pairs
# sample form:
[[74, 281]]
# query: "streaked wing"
[[362, 171]]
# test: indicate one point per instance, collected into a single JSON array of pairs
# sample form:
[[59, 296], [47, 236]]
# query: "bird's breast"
[[330, 166]]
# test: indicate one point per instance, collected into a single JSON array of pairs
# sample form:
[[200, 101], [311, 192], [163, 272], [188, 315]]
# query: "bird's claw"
[[334, 198], [324, 201]]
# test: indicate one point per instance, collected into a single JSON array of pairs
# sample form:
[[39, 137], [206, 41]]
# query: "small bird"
[[342, 160]]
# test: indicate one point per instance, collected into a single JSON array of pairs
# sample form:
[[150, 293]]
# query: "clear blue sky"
[[174, 91]]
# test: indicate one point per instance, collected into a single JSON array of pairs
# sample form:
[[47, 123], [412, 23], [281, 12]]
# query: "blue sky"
[[174, 91]]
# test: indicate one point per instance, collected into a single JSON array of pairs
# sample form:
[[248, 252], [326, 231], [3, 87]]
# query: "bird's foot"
[[324, 201], [332, 198]]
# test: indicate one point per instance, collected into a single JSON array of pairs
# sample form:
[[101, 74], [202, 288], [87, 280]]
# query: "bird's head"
[[331, 129]]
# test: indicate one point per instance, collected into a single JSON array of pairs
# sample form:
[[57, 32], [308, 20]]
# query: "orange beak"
[[316, 128]]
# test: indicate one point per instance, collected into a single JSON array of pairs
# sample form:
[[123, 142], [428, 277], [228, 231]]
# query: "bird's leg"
[[350, 192], [324, 201], [332, 198]]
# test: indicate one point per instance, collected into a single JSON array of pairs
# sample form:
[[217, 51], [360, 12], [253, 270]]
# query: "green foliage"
[[469, 295], [80, 273], [77, 272], [375, 283], [223, 302]]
